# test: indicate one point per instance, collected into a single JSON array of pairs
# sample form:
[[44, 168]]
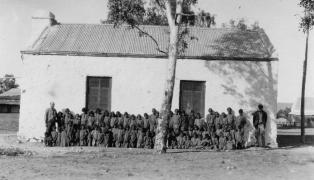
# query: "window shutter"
[[98, 93]]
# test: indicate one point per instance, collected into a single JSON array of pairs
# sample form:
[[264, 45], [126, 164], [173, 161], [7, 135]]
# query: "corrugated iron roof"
[[13, 93], [107, 40]]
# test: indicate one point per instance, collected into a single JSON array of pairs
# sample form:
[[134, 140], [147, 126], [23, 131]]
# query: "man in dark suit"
[[50, 117], [259, 121]]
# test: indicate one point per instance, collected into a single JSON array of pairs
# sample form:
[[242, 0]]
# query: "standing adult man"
[[259, 121], [50, 117]]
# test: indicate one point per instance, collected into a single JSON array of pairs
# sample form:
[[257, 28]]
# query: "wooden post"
[[303, 87]]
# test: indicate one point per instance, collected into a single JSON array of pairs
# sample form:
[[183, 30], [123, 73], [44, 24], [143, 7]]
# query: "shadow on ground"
[[294, 140]]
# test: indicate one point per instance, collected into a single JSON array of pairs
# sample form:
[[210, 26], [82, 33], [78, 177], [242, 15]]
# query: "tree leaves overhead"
[[151, 12], [307, 4], [154, 16], [129, 12], [307, 21], [205, 19], [241, 24]]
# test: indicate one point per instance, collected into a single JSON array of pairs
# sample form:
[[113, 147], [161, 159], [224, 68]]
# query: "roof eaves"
[[9, 102], [95, 54]]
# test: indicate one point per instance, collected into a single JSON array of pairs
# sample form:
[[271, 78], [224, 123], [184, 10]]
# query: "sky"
[[279, 19]]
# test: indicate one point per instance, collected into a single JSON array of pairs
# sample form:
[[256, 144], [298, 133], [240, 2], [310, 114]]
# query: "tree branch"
[[262, 71], [152, 38], [179, 11], [162, 6], [171, 19]]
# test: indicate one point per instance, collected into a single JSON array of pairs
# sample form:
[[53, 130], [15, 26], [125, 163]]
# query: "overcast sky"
[[279, 18]]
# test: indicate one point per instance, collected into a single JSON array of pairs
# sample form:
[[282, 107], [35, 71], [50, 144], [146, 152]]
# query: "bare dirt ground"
[[9, 123], [111, 163], [39, 162]]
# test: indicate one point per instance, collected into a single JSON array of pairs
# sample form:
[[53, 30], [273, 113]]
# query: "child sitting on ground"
[[187, 141], [95, 136], [148, 140], [222, 141], [194, 140], [54, 137], [64, 138], [48, 139], [172, 141], [180, 140], [206, 143], [140, 139], [229, 142]]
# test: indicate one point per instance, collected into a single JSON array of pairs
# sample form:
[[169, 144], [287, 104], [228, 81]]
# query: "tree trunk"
[[303, 88], [272, 88], [160, 141], [162, 125]]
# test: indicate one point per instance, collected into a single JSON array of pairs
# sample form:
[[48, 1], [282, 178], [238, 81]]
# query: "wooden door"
[[192, 96]]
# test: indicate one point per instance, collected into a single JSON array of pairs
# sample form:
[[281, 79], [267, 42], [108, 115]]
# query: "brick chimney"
[[41, 19]]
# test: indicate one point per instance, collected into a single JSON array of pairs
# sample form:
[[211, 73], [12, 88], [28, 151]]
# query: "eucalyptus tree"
[[177, 15]]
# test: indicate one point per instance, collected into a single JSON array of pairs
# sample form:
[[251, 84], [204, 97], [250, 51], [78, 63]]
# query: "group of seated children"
[[184, 131]]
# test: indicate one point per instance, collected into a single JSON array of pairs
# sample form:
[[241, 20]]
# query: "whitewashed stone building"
[[96, 65]]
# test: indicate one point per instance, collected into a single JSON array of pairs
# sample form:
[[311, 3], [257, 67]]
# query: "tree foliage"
[[126, 12], [7, 83], [284, 113], [241, 24], [155, 17], [204, 19], [307, 21], [177, 15], [140, 12]]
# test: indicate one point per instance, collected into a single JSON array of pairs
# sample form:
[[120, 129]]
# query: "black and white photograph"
[[157, 89]]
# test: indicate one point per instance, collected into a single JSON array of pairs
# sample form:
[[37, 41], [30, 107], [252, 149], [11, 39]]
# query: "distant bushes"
[[14, 152]]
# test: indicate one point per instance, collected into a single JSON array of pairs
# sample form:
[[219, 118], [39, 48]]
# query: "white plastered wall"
[[137, 86]]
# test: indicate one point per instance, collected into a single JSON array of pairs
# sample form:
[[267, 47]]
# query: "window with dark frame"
[[98, 93]]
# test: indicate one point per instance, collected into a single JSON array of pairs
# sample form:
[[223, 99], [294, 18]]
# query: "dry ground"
[[100, 163], [9, 122]]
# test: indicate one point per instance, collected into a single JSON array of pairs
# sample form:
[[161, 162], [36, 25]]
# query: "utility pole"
[[304, 82]]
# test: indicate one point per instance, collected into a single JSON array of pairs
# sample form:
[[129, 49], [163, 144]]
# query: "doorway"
[[192, 96]]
